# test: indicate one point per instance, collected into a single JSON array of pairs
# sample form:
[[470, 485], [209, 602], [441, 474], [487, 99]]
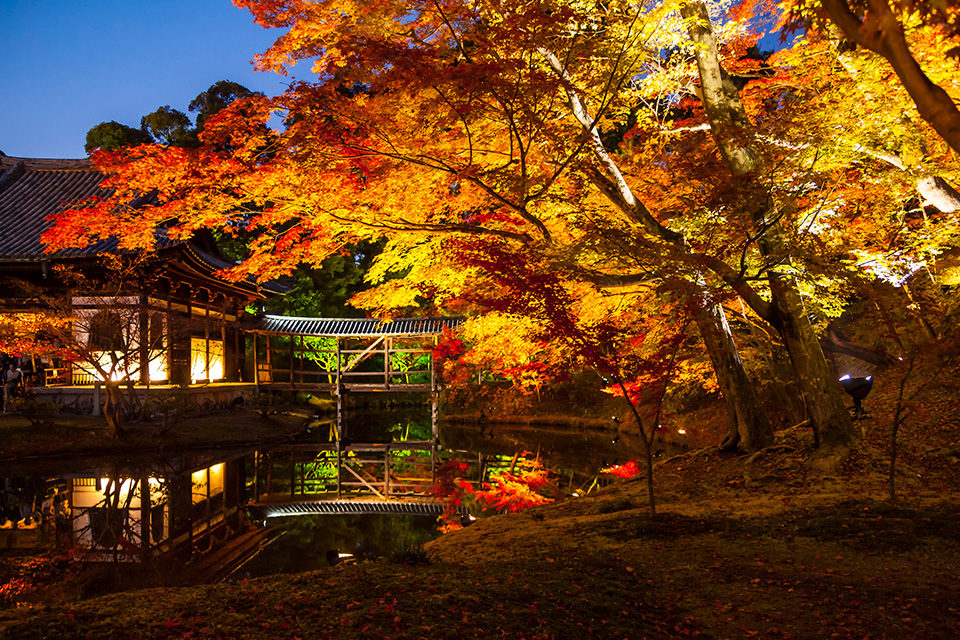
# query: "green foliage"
[[170, 127], [324, 290], [113, 135], [219, 95]]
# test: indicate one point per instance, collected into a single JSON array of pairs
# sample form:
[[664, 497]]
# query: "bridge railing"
[[384, 472]]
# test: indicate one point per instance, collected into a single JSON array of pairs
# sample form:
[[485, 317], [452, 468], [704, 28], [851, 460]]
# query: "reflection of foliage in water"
[[411, 430], [307, 540]]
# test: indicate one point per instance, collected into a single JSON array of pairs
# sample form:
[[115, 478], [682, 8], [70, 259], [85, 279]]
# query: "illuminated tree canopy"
[[609, 179]]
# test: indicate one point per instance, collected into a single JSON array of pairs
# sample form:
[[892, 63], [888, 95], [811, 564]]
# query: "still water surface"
[[199, 500]]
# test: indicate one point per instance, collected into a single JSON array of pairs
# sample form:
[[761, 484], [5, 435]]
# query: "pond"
[[373, 492]]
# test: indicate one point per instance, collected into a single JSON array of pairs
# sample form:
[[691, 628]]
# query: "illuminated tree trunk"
[[111, 407], [729, 126], [749, 428]]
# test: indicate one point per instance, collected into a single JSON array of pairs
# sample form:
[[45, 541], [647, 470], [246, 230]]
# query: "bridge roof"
[[354, 327], [352, 507]]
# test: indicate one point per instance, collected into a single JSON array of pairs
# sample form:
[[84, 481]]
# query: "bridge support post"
[[434, 396]]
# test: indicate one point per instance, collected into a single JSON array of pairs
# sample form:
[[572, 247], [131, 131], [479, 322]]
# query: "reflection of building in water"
[[127, 516]]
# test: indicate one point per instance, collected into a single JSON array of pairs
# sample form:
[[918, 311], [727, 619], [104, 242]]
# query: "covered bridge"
[[354, 354]]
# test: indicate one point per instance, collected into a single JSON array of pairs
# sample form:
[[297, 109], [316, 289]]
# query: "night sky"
[[67, 65]]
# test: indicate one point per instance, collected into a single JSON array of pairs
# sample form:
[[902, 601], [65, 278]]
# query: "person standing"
[[11, 379]]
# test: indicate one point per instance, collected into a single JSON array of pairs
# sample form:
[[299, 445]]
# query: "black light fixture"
[[858, 388]]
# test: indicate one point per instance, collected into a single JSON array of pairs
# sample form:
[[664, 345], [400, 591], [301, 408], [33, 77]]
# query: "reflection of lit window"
[[198, 480], [198, 359]]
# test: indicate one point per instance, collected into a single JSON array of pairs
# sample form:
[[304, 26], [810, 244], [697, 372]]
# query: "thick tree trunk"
[[747, 421], [111, 408], [821, 392], [750, 429], [729, 127]]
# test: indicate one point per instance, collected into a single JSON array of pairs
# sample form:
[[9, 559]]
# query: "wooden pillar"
[[301, 359], [256, 362], [386, 471], [168, 338], [144, 342], [387, 342], [339, 368], [239, 344], [292, 338], [189, 342], [269, 359], [227, 373], [206, 344], [434, 397]]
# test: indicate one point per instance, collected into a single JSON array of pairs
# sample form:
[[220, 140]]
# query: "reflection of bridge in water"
[[338, 478], [343, 356]]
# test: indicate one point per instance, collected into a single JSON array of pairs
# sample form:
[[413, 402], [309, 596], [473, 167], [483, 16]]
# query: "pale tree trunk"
[[729, 127], [749, 428], [747, 419]]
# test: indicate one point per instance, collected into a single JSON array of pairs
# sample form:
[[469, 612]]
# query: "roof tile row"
[[355, 327]]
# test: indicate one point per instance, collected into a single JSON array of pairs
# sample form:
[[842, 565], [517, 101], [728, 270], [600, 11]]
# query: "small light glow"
[[869, 377], [344, 555], [682, 432], [575, 494], [846, 377]]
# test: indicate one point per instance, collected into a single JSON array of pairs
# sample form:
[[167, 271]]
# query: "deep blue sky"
[[66, 65]]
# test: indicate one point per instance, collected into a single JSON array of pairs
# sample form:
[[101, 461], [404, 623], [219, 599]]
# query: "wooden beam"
[[206, 343], [364, 481], [291, 360]]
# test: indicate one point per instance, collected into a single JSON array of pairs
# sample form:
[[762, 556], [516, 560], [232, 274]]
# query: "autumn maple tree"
[[608, 153]]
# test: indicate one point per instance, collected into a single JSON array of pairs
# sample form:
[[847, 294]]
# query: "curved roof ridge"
[[48, 164]]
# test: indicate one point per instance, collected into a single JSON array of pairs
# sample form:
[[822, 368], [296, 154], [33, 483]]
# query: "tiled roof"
[[215, 263], [355, 327], [33, 189]]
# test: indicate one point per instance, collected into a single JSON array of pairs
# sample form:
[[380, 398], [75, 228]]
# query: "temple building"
[[165, 318]]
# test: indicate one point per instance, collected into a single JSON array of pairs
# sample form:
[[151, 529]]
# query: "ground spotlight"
[[858, 388]]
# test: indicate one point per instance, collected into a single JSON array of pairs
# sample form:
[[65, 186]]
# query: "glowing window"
[[198, 359]]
